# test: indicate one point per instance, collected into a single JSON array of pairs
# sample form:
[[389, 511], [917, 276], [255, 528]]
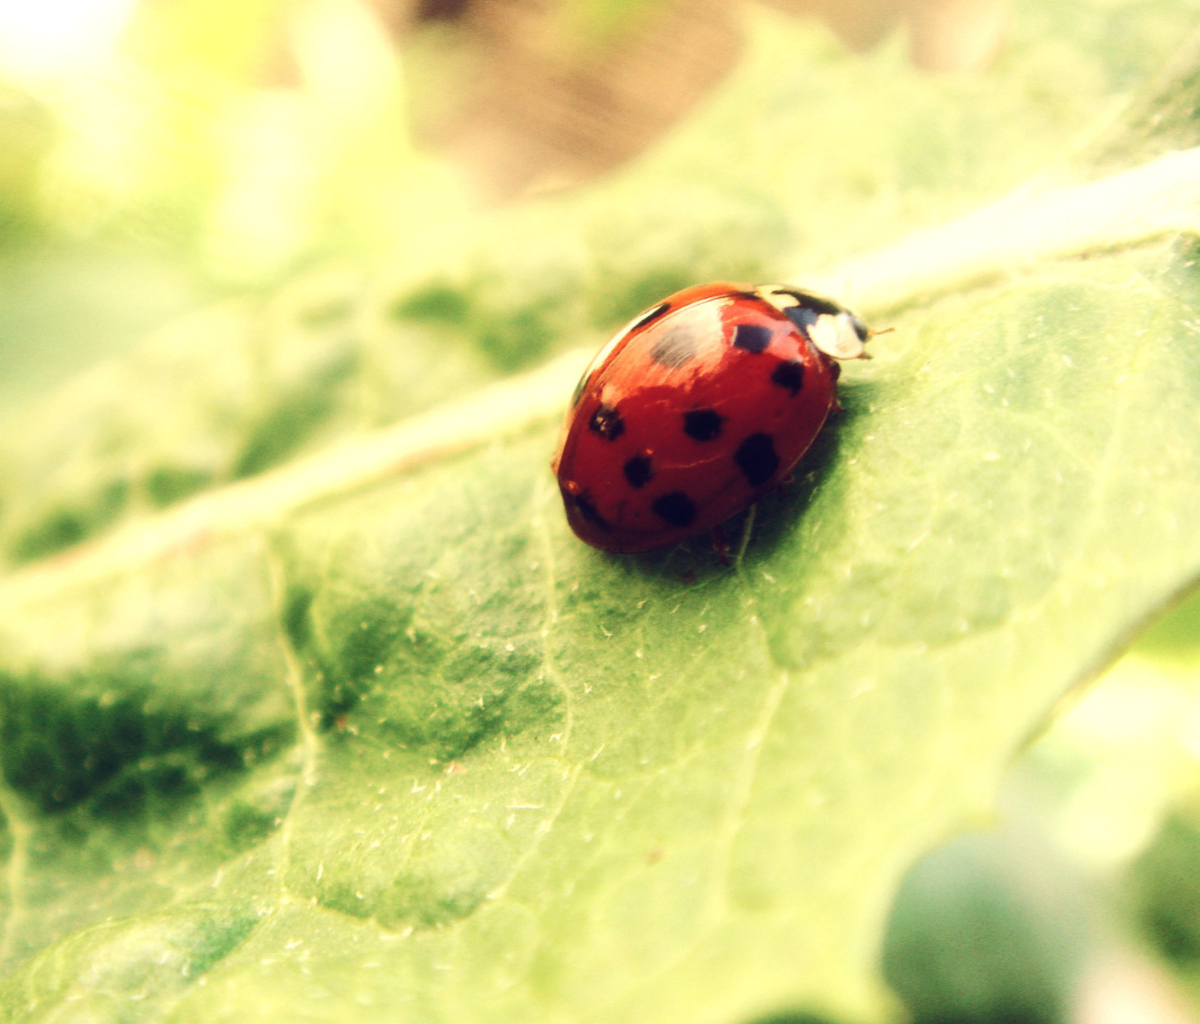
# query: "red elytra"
[[697, 409]]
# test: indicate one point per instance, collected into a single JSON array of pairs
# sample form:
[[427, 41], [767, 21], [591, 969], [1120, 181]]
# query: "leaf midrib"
[[1158, 198]]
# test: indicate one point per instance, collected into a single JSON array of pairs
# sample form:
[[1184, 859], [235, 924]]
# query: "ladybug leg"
[[835, 370], [720, 545]]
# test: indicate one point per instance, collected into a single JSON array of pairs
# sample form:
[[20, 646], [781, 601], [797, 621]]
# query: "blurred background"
[[270, 168], [155, 154], [1081, 901]]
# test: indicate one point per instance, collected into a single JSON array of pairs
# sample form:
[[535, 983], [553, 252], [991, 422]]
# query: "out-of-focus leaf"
[[63, 309], [990, 927], [1164, 897], [220, 395]]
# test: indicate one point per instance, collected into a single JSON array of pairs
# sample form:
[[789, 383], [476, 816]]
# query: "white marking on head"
[[836, 336]]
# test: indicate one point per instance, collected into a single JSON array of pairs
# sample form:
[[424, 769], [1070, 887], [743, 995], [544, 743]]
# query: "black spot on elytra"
[[756, 459], [587, 509], [639, 471], [675, 508], [752, 337], [577, 394], [702, 424], [676, 347], [607, 422], [649, 316], [789, 375]]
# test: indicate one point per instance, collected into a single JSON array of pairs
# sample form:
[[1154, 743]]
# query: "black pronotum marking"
[[812, 306], [752, 337], [676, 347], [789, 375], [607, 422], [756, 459], [802, 316], [639, 471], [702, 424], [587, 509], [813, 303], [675, 508]]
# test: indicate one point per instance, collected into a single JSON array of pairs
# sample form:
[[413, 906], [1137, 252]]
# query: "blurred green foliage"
[[224, 146]]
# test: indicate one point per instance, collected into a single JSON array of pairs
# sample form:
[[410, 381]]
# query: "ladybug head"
[[840, 335], [832, 328]]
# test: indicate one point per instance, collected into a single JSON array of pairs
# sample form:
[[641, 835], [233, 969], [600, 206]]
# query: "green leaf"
[[535, 780], [225, 393], [369, 735]]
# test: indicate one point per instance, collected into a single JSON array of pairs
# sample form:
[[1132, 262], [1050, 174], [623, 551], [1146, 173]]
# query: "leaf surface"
[[534, 780]]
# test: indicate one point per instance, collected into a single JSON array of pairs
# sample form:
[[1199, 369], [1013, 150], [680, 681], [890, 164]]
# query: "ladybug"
[[697, 408]]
